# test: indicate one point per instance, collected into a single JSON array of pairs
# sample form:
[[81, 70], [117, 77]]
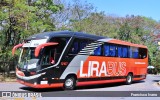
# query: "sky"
[[147, 8]]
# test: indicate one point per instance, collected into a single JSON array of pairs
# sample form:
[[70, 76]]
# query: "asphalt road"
[[149, 84]]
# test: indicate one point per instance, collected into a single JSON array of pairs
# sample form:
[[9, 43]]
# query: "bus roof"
[[48, 35], [115, 41], [64, 33]]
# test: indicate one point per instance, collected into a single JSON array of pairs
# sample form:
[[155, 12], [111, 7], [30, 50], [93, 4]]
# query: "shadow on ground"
[[156, 80]]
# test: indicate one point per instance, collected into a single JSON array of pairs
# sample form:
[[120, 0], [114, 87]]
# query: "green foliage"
[[22, 18], [140, 30]]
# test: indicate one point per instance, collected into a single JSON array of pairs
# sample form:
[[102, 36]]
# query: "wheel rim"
[[69, 83], [129, 78]]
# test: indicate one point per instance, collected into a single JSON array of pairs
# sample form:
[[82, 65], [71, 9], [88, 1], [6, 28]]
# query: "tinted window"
[[97, 51], [125, 52], [138, 53], [74, 48], [134, 52], [120, 51], [142, 53], [78, 45], [48, 56], [83, 44], [106, 49], [112, 51]]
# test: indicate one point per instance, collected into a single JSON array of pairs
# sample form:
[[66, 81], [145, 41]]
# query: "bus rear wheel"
[[70, 83], [129, 79]]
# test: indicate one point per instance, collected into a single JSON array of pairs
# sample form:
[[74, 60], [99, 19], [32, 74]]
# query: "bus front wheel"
[[129, 79], [70, 83]]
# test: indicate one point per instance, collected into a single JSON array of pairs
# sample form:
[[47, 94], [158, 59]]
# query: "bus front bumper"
[[35, 85], [34, 81]]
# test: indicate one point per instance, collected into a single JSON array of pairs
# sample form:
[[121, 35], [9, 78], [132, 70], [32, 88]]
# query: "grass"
[[11, 78]]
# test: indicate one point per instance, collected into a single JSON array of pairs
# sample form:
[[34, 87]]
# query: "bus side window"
[[97, 51], [134, 52], [106, 49], [130, 52], [52, 56], [112, 51], [45, 59], [74, 48], [82, 45], [78, 45], [125, 52], [48, 56], [142, 53], [120, 52]]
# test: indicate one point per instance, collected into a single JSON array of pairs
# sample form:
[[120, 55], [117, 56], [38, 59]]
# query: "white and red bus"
[[69, 59]]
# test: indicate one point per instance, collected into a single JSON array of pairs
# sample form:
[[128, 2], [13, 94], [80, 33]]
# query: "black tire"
[[70, 83], [129, 79]]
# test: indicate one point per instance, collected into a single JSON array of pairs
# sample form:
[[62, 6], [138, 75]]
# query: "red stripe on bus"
[[54, 85], [99, 82], [137, 79]]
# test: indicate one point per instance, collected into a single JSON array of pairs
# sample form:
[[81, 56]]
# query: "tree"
[[71, 13], [141, 30], [22, 18], [132, 29]]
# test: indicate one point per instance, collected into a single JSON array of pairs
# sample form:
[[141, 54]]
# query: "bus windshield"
[[27, 58]]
